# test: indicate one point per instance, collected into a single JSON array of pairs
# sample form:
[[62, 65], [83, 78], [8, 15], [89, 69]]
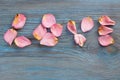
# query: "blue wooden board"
[[65, 61]]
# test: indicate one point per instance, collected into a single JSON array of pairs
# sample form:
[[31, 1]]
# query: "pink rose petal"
[[49, 40], [87, 24], [10, 35], [105, 40], [106, 20], [22, 41], [19, 21], [39, 32], [48, 20], [103, 30], [71, 25], [56, 29], [79, 39]]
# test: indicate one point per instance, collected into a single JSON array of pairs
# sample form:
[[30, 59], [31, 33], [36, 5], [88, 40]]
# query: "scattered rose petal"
[[106, 20], [48, 20], [106, 40], [19, 21], [103, 30], [71, 25], [56, 29], [49, 40], [10, 35], [22, 41], [87, 24], [39, 32], [79, 39]]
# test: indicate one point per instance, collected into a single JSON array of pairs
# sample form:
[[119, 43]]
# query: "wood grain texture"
[[65, 61]]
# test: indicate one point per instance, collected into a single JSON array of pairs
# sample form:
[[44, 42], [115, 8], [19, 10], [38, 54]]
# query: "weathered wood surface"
[[66, 61]]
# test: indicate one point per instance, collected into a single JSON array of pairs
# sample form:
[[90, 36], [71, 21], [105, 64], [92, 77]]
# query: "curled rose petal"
[[48, 20], [22, 41], [10, 35], [87, 24], [71, 25], [103, 30], [56, 29], [106, 20], [39, 32], [105, 40], [79, 39], [49, 40], [19, 21]]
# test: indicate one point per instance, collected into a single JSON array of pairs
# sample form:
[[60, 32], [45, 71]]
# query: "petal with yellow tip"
[[19, 21], [105, 40], [103, 30], [106, 20], [49, 40], [10, 35], [79, 39], [71, 25], [39, 32], [22, 41]]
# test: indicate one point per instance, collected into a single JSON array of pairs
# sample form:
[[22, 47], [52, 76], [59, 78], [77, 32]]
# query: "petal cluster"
[[78, 38], [10, 35], [105, 39], [49, 31], [48, 38]]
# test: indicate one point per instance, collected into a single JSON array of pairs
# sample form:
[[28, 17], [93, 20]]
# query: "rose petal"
[[48, 20], [49, 40], [19, 21], [56, 29], [87, 24], [106, 20], [105, 40], [10, 35], [22, 41], [71, 25], [103, 30], [39, 32], [79, 39]]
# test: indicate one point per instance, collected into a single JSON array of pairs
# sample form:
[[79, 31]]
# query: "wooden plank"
[[49, 68], [65, 61]]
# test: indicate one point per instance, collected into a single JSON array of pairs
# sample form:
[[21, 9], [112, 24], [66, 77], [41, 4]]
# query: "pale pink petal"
[[57, 29], [19, 21], [71, 25], [39, 32], [49, 40], [10, 35], [87, 24], [22, 41], [103, 30], [79, 39], [105, 40], [106, 20], [48, 20]]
